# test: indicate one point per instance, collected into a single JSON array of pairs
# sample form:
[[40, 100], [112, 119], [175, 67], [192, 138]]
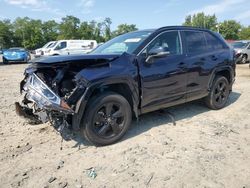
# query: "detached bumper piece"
[[27, 113], [40, 102]]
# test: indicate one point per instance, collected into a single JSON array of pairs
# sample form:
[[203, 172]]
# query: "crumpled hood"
[[52, 60]]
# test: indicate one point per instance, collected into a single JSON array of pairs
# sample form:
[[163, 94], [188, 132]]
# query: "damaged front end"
[[53, 86], [40, 103]]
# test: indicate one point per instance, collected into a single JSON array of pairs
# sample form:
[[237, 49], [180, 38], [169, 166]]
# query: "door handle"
[[182, 65], [213, 57]]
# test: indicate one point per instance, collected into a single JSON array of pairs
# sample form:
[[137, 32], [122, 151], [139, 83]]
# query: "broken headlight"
[[42, 95]]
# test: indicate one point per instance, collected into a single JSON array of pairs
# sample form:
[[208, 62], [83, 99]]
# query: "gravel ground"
[[205, 148]]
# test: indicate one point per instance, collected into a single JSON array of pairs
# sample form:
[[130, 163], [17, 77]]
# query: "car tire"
[[244, 59], [5, 61], [218, 94], [107, 119]]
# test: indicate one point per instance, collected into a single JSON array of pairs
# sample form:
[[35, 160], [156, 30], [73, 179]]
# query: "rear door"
[[204, 52], [163, 81]]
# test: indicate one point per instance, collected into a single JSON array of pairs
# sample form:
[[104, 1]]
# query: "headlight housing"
[[43, 96]]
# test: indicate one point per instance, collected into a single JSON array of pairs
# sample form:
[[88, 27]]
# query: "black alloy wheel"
[[219, 93], [107, 118]]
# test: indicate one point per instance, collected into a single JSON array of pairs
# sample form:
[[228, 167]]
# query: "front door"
[[164, 79]]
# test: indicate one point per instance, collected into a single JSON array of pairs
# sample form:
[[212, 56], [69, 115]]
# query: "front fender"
[[121, 71]]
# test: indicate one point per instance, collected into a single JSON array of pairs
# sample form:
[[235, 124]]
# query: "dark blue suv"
[[132, 74]]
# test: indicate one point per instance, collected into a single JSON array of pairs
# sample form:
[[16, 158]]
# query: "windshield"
[[46, 45], [240, 44], [52, 45], [123, 43]]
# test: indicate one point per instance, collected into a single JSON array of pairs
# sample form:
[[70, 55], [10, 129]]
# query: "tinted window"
[[195, 41], [212, 42], [168, 41]]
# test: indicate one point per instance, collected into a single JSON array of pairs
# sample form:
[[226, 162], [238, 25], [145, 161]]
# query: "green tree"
[[229, 29], [28, 33], [33, 33], [244, 33], [69, 28], [50, 30], [86, 31], [201, 20], [107, 30], [6, 34], [124, 28]]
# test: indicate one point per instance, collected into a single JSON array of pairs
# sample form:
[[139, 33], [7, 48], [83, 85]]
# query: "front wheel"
[[219, 93], [107, 119], [5, 61], [244, 59]]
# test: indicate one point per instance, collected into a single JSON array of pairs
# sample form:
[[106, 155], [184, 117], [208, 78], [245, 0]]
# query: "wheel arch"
[[245, 54], [122, 88], [227, 72]]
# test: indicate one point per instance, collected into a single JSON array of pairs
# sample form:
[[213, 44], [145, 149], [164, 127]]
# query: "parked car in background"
[[132, 74], [15, 55], [67, 47], [242, 51], [40, 51]]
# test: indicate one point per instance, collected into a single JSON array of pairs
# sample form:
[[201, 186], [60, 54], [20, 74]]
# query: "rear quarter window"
[[213, 43], [195, 41]]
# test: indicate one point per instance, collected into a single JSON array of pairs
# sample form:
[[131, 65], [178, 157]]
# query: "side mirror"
[[156, 53]]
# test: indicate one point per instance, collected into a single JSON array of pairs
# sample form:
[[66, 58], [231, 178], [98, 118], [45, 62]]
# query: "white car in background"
[[40, 51], [67, 47], [242, 50]]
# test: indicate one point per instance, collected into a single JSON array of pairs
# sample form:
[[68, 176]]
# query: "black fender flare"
[[220, 69], [82, 102]]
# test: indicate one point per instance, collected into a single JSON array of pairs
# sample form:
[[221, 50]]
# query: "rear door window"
[[195, 41], [213, 43]]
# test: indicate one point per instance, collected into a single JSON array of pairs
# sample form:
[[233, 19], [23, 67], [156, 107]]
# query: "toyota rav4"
[[132, 74]]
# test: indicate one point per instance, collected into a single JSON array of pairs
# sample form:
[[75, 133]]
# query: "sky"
[[144, 13]]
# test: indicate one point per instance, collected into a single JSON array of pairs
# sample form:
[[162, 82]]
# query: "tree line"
[[229, 29], [33, 33]]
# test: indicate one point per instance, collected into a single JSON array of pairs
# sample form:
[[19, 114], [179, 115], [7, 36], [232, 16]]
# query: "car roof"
[[172, 28], [16, 48], [244, 41]]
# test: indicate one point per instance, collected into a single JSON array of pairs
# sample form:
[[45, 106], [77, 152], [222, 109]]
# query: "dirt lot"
[[205, 149]]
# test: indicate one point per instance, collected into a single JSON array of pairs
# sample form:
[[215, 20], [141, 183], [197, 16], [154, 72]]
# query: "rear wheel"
[[219, 93], [107, 119]]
